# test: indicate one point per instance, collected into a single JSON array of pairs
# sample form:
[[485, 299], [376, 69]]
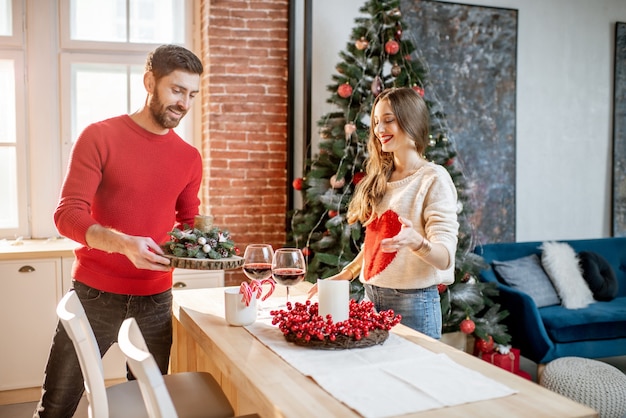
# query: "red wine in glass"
[[258, 271], [288, 267], [257, 266], [288, 277]]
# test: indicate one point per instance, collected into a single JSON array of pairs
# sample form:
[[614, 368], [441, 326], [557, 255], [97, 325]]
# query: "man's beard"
[[159, 113]]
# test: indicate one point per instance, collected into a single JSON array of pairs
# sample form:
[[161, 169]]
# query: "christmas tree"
[[378, 57]]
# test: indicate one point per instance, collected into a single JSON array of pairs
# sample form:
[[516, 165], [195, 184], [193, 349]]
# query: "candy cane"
[[246, 291], [272, 287], [255, 285]]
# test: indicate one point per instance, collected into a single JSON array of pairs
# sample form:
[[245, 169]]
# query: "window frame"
[[67, 43], [40, 38], [20, 145], [67, 107], [17, 24]]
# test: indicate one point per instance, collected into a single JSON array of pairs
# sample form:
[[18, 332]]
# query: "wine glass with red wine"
[[257, 264], [288, 267], [257, 261]]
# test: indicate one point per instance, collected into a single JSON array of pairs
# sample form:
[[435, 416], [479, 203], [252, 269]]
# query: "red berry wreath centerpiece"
[[302, 325], [203, 247]]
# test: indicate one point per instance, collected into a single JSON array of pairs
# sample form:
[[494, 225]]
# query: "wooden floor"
[[22, 403]]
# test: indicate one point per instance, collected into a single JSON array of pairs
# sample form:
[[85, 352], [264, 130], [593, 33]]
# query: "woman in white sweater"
[[408, 207]]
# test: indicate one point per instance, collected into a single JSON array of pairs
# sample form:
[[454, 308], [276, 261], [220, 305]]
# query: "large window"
[[13, 199], [84, 62], [104, 49]]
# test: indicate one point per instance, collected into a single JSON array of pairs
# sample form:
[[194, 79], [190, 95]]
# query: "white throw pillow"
[[560, 262]]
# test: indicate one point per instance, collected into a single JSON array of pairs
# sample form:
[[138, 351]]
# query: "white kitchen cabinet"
[[34, 275], [30, 291], [196, 279]]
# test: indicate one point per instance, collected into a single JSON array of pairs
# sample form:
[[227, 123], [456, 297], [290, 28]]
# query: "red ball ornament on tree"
[[419, 90], [357, 177], [441, 288], [467, 326], [306, 251], [297, 183], [332, 213], [392, 47], [485, 346], [344, 90]]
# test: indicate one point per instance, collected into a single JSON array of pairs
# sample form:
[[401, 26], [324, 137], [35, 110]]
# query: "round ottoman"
[[590, 382]]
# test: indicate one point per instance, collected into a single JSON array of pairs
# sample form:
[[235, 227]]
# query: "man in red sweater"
[[131, 179]]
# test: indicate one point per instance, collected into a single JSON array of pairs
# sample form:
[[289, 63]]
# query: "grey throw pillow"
[[527, 275]]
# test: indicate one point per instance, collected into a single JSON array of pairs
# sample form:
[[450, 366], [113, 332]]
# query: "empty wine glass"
[[257, 266], [288, 267]]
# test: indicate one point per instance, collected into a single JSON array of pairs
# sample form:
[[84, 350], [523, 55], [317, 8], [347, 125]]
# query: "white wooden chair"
[[121, 400], [194, 394], [125, 399]]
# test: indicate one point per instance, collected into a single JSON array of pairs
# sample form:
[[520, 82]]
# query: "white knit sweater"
[[429, 199]]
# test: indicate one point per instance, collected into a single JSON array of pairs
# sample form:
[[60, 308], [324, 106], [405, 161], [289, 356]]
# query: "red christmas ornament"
[[306, 251], [392, 47], [344, 90], [357, 177], [442, 288], [467, 326], [419, 90], [361, 43], [332, 213], [297, 183], [485, 346], [450, 162]]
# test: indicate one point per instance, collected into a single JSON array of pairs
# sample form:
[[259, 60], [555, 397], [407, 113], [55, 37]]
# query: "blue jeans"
[[63, 382], [420, 308]]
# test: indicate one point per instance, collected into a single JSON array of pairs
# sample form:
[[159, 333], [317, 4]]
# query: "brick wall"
[[244, 119]]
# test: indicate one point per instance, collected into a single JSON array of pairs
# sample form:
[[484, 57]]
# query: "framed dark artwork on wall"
[[471, 52], [619, 133]]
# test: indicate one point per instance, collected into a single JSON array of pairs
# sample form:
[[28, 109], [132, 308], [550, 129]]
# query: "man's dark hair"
[[167, 58]]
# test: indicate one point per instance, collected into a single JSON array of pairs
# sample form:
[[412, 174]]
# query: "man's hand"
[[143, 252]]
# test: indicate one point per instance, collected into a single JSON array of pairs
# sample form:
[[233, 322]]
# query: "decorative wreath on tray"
[[196, 243], [302, 325]]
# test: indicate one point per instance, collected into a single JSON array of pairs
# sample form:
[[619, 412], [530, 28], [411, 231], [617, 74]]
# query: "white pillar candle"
[[334, 299]]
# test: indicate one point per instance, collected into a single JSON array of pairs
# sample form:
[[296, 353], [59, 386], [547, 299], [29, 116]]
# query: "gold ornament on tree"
[[349, 128], [361, 43]]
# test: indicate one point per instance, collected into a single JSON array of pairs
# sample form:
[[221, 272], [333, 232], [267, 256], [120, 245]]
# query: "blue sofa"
[[547, 333]]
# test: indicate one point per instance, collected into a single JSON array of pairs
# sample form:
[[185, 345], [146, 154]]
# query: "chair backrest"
[[72, 315], [153, 390]]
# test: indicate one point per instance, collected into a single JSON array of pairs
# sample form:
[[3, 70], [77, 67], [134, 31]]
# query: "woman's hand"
[[407, 237]]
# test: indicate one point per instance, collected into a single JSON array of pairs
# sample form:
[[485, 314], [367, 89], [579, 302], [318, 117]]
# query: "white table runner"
[[395, 378]]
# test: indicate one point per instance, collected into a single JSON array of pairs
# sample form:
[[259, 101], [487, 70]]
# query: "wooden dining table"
[[257, 380]]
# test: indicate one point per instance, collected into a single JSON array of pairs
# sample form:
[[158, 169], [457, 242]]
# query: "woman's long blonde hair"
[[413, 119]]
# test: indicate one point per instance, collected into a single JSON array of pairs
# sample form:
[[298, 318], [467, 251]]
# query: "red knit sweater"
[[136, 182]]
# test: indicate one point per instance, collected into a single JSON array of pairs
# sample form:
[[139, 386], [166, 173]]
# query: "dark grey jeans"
[[63, 382]]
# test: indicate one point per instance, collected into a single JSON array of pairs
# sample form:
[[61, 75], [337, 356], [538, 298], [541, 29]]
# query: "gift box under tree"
[[503, 356]]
